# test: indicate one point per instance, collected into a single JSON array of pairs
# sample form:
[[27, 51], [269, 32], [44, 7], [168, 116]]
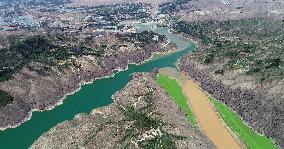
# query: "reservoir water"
[[91, 96]]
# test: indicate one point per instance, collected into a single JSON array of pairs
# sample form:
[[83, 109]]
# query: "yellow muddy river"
[[209, 121]]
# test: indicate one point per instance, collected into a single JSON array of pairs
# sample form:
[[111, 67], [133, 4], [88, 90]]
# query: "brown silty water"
[[209, 121]]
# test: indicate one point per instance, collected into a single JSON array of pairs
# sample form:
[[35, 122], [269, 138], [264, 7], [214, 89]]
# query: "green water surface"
[[94, 95]]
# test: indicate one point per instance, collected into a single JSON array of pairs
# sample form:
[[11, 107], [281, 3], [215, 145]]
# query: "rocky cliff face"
[[262, 107], [142, 116]]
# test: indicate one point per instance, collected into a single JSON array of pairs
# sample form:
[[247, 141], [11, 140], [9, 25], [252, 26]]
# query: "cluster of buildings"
[[63, 18]]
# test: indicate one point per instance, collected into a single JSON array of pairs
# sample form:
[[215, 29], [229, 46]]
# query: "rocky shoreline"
[[33, 92], [264, 114], [115, 126]]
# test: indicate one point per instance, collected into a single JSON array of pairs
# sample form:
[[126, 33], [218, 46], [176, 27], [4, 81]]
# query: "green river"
[[96, 94]]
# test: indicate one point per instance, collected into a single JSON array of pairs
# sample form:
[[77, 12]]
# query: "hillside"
[[241, 64]]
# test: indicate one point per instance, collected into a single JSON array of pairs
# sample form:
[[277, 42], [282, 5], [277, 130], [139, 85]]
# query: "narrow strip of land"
[[208, 119]]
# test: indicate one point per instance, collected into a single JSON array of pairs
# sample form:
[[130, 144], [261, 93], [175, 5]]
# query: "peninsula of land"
[[143, 115]]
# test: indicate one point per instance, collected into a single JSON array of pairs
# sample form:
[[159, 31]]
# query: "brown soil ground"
[[208, 119]]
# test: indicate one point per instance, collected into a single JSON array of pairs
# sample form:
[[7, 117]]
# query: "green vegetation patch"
[[5, 98], [174, 90], [247, 135]]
